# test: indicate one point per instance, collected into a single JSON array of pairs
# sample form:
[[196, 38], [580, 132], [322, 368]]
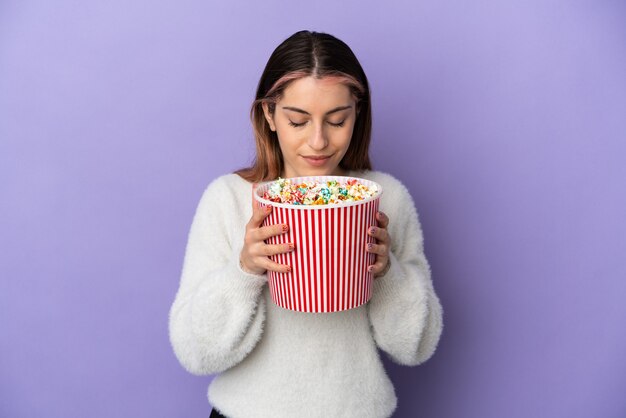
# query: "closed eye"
[[297, 125], [338, 124]]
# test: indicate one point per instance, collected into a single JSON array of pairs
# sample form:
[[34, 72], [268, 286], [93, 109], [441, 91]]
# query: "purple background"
[[506, 120]]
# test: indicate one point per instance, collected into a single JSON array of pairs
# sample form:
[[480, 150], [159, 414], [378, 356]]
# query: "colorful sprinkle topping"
[[316, 193]]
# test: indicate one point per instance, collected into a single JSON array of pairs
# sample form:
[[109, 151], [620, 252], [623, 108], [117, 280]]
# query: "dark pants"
[[215, 414]]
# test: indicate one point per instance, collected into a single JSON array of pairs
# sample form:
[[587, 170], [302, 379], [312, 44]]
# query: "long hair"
[[303, 54]]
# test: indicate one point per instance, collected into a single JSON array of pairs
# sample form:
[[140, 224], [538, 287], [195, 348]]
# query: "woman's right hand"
[[255, 253]]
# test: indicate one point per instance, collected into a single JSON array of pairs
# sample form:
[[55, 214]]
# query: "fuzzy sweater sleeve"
[[217, 315], [405, 313]]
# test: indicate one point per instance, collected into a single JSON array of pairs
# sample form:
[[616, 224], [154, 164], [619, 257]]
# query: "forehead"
[[312, 94]]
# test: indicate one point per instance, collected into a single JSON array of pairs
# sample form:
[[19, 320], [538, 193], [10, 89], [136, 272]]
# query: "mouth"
[[317, 160], [317, 157]]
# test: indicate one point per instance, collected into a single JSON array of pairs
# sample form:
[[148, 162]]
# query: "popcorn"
[[316, 193]]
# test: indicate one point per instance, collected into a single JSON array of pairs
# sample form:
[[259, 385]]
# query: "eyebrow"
[[337, 109]]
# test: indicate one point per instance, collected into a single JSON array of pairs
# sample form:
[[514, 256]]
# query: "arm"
[[405, 313], [217, 316]]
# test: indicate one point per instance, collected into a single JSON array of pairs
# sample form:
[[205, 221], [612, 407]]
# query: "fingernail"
[[370, 268], [369, 246], [291, 246], [288, 269], [268, 208], [373, 230], [285, 228]]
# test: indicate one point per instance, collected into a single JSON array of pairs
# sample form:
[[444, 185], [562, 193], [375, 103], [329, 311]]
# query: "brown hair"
[[304, 54]]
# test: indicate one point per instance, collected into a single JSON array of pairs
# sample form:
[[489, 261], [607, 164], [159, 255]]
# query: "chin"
[[319, 171]]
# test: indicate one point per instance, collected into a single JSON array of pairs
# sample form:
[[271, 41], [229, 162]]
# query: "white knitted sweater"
[[274, 362]]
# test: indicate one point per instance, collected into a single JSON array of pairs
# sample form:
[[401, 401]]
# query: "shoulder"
[[228, 181], [226, 193], [393, 189], [225, 185], [396, 202]]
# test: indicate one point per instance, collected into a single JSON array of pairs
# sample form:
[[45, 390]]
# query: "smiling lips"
[[316, 160]]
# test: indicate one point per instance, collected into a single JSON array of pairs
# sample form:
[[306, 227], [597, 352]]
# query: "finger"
[[383, 219], [273, 266], [269, 231], [380, 234], [259, 214], [379, 249], [378, 266], [272, 249]]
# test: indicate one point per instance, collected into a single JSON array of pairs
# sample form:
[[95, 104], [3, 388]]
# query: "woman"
[[311, 116]]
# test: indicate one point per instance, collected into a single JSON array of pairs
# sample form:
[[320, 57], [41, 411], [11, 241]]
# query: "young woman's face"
[[313, 120]]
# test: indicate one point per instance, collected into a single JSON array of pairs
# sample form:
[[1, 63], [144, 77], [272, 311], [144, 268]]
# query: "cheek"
[[344, 138], [287, 143]]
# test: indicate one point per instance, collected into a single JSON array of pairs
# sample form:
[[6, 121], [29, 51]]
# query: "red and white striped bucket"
[[329, 263]]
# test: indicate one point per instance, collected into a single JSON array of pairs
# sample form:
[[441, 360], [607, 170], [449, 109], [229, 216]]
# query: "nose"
[[318, 140]]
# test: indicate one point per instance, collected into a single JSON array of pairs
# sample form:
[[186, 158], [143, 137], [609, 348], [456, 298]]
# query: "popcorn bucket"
[[329, 263]]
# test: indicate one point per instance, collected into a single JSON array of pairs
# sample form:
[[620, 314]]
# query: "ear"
[[268, 116]]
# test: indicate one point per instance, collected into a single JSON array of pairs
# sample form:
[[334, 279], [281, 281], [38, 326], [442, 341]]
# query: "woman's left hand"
[[381, 248]]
